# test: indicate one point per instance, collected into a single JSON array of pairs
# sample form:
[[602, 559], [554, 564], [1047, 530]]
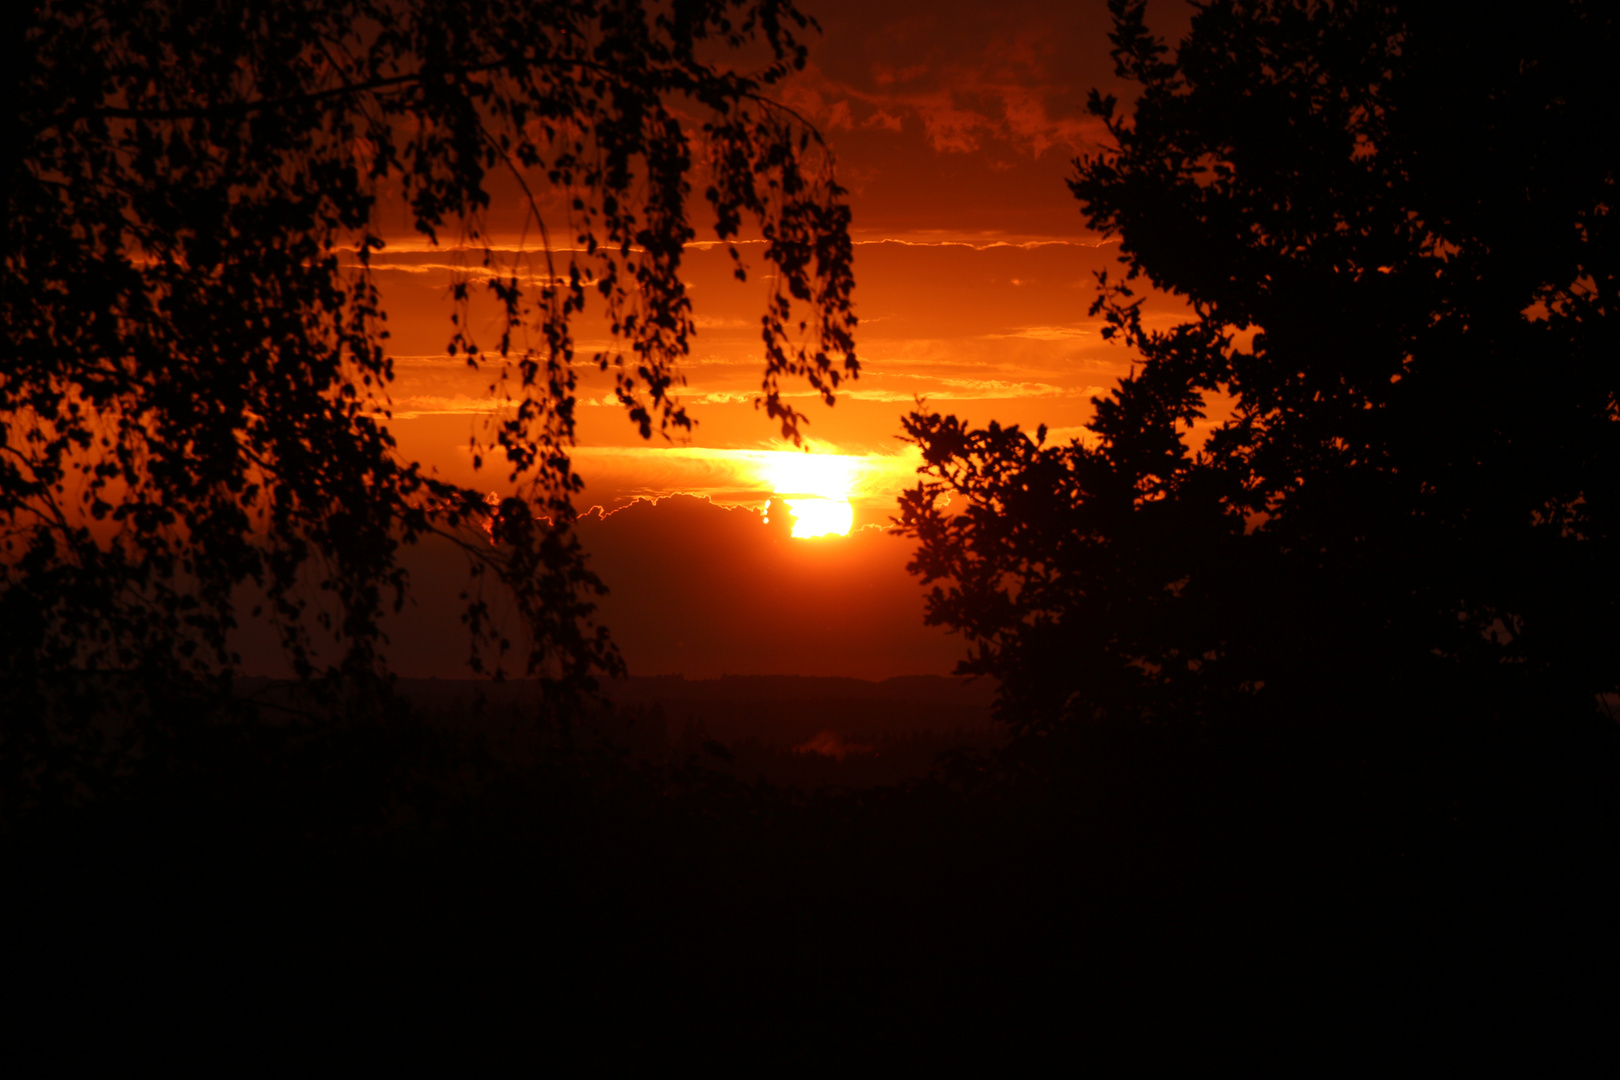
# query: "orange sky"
[[954, 125]]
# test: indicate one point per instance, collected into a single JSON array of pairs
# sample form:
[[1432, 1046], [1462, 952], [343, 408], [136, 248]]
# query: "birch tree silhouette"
[[195, 380]]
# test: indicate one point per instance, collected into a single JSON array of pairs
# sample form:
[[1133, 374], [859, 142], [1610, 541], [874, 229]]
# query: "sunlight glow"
[[821, 517], [816, 488]]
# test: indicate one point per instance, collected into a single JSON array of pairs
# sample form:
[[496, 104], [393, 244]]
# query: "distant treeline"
[[431, 866], [803, 731]]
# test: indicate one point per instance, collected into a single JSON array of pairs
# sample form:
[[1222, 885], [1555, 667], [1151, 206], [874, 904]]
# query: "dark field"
[[682, 877]]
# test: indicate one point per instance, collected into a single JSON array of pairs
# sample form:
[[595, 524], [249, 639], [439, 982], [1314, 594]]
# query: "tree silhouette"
[[195, 380], [1394, 229]]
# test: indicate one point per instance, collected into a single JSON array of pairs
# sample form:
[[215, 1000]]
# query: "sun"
[[816, 488], [821, 517]]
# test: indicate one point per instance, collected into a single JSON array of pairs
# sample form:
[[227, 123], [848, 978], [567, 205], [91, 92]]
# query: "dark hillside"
[[1253, 893], [790, 709], [805, 731]]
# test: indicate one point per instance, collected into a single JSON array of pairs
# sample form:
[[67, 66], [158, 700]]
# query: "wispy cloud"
[[960, 107], [1043, 333], [738, 476]]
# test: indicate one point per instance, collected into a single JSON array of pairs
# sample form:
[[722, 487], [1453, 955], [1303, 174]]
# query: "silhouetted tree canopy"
[[1379, 459], [195, 383]]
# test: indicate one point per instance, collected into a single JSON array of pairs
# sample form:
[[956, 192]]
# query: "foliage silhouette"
[[1394, 230], [443, 876], [195, 380]]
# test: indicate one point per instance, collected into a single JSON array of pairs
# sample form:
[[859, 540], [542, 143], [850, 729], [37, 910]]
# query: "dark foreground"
[[1325, 895]]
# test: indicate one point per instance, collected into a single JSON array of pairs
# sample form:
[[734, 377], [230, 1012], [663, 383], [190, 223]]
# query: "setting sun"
[[816, 488], [821, 517]]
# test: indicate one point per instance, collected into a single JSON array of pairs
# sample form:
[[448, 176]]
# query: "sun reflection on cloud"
[[826, 490], [816, 488], [829, 476], [821, 517]]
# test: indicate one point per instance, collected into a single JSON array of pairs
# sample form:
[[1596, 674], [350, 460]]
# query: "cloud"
[[720, 397], [414, 406], [696, 588], [734, 476], [920, 239], [960, 117], [999, 388], [949, 389], [702, 589], [1044, 333], [965, 74]]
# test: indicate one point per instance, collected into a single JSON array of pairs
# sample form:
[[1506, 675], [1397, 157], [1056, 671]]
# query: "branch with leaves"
[[195, 379]]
